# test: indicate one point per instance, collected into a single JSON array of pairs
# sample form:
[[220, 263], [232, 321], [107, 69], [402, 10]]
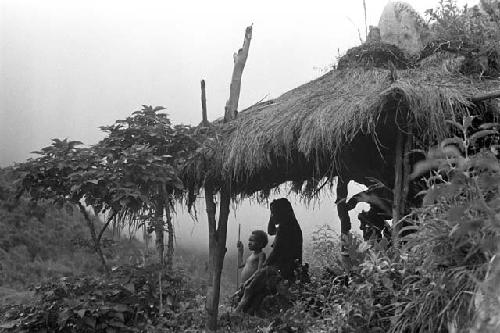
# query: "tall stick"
[[406, 169], [237, 262], [161, 293], [204, 117], [398, 184], [366, 27]]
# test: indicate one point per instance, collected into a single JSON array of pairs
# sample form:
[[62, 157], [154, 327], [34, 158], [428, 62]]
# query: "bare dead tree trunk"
[[204, 116], [240, 59], [218, 252]]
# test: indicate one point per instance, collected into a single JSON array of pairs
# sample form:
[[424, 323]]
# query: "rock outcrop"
[[402, 26]]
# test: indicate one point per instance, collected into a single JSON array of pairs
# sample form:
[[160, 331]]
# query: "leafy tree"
[[132, 173], [146, 151], [59, 177]]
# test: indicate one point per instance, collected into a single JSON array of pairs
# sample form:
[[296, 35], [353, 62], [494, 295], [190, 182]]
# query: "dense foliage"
[[126, 301], [472, 32], [38, 241], [131, 174]]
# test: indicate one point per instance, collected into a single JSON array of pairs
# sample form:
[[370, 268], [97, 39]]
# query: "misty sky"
[[70, 66]]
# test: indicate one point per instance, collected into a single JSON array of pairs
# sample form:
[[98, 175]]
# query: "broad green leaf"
[[489, 125], [453, 141], [481, 134], [455, 124]]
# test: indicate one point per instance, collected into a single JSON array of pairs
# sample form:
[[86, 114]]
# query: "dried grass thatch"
[[342, 121], [375, 54]]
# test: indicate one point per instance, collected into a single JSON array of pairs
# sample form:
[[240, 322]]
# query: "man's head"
[[257, 240]]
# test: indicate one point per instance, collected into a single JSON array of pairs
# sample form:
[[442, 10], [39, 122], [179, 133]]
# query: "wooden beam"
[[485, 96]]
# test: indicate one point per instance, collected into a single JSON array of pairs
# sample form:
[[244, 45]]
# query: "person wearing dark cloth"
[[281, 263], [287, 246]]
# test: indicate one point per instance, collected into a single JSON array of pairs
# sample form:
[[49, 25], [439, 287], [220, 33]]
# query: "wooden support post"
[[204, 117], [211, 209], [406, 170], [398, 184], [217, 243], [345, 221]]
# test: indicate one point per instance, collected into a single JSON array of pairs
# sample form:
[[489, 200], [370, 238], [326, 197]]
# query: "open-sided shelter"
[[358, 122]]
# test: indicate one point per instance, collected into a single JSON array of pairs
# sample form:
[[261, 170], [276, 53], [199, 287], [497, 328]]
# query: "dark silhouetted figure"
[[287, 246]]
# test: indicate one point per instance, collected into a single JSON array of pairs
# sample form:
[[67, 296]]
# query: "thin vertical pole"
[[204, 117], [237, 263], [406, 169], [398, 183]]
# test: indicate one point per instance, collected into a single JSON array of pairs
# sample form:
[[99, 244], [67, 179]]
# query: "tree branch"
[[101, 233]]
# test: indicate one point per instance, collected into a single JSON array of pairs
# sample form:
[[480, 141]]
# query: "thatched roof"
[[344, 121]]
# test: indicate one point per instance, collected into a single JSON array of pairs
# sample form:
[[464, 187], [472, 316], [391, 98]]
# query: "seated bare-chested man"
[[256, 242]]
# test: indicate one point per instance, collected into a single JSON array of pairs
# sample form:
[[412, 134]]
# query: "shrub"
[[126, 301]]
